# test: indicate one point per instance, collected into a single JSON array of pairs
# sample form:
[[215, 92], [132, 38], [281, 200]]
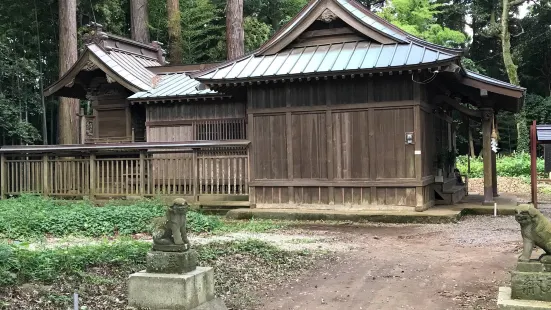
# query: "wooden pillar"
[[487, 116], [494, 162], [417, 147], [93, 176], [494, 175], [3, 172], [533, 164], [250, 137], [195, 175], [82, 119], [142, 173], [45, 174]]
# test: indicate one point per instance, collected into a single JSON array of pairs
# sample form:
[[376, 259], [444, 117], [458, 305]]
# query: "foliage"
[[469, 64], [516, 165], [47, 265], [417, 17], [20, 264], [34, 217], [256, 33], [271, 12], [18, 94]]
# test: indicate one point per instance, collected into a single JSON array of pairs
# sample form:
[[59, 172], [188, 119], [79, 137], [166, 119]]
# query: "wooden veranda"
[[192, 170]]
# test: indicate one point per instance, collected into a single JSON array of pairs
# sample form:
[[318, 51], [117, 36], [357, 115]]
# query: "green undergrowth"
[[19, 264], [35, 217], [515, 165]]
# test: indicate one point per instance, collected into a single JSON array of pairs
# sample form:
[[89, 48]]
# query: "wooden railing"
[[185, 172]]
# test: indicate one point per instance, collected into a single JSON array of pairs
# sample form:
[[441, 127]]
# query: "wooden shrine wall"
[[337, 141]]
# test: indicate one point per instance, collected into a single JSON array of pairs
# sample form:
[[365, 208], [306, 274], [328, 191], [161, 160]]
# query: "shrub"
[[515, 165], [34, 216], [19, 264], [47, 265]]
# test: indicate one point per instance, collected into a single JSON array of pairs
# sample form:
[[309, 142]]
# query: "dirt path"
[[456, 266]]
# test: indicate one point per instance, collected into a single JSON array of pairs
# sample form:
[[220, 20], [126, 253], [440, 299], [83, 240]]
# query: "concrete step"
[[436, 216], [224, 204], [451, 195]]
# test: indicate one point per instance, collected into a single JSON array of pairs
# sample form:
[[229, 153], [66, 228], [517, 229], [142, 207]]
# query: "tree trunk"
[[471, 143], [174, 32], [235, 35], [139, 21], [68, 107], [511, 68], [510, 65]]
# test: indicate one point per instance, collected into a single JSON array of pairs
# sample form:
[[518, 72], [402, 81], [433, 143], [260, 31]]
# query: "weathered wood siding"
[[334, 142], [428, 147], [111, 123], [200, 120], [113, 120]]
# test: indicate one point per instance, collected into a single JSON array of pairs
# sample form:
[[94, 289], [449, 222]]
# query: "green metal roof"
[[174, 85]]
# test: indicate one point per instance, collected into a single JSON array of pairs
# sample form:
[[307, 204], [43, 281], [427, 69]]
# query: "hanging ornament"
[[493, 142]]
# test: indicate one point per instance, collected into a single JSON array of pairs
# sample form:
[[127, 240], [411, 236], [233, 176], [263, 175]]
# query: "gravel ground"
[[452, 266]]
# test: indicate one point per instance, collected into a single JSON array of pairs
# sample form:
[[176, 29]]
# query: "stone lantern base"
[[193, 290]]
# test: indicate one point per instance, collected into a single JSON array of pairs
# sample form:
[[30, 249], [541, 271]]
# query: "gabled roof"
[[121, 59], [382, 46], [173, 86], [360, 56]]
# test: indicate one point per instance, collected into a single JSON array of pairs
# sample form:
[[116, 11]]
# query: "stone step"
[[505, 302]]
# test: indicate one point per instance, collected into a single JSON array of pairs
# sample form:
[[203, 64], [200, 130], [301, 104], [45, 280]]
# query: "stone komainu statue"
[[170, 233], [535, 229]]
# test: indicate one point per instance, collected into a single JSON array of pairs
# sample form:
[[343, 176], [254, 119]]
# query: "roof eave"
[[68, 76], [327, 74], [177, 98], [86, 56]]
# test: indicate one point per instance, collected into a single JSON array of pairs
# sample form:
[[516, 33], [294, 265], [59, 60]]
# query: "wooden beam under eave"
[[455, 104]]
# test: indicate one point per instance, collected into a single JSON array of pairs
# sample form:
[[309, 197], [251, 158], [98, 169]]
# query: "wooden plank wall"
[[334, 142], [175, 122]]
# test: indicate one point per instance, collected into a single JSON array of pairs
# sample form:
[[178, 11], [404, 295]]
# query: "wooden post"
[[417, 147], [195, 161], [533, 164], [494, 175], [82, 119], [142, 173], [494, 163], [45, 185], [487, 115], [92, 176], [3, 168]]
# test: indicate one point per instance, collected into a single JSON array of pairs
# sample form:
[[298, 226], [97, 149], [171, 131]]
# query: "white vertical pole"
[[495, 209], [75, 300]]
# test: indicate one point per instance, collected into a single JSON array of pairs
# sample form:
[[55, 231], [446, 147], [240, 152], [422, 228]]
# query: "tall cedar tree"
[[68, 107], [235, 36], [139, 21], [174, 32]]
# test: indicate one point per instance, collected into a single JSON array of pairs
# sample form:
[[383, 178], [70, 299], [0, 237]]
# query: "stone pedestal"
[[171, 262], [163, 291], [530, 288]]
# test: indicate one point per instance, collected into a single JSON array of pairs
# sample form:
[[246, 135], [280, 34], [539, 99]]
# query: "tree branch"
[[521, 32], [516, 3]]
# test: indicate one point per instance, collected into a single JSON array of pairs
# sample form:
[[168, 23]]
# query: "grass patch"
[[253, 225], [34, 217], [515, 165]]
